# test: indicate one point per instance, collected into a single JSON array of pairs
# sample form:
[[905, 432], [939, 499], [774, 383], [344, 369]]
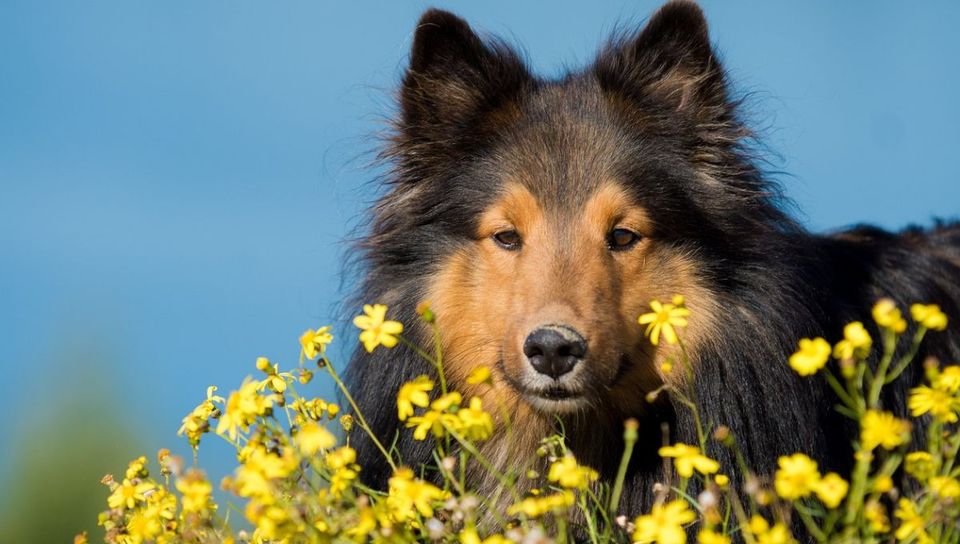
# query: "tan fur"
[[488, 299]]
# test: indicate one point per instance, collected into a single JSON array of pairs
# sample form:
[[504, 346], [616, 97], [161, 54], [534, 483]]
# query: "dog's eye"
[[620, 239], [508, 239]]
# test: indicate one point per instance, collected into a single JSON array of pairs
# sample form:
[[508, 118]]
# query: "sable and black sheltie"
[[541, 217]]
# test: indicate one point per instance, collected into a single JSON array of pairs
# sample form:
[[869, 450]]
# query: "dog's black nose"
[[554, 349]]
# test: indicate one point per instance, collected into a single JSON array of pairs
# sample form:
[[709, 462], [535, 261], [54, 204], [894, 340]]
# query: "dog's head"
[[544, 216]]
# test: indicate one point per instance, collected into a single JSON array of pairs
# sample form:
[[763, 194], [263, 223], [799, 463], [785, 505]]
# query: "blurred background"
[[177, 181]]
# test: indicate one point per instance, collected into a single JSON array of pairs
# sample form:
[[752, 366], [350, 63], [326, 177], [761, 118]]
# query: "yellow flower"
[[437, 419], [568, 473], [706, 536], [375, 330], [855, 344], [365, 524], [343, 457], [796, 477], [260, 468], [196, 423], [137, 468], [80, 538], [144, 525], [273, 522], [663, 320], [196, 492], [883, 484], [128, 494], [275, 380], [432, 421], [940, 404], [534, 507], [831, 489], [887, 315], [811, 357], [312, 438], [475, 423], [722, 480], [341, 480], [243, 408], [413, 394], [876, 516], [409, 496], [469, 536], [446, 402], [929, 315], [479, 375], [945, 487], [778, 534], [664, 524], [948, 379], [912, 522], [919, 464], [883, 429], [688, 458], [315, 342], [758, 525]]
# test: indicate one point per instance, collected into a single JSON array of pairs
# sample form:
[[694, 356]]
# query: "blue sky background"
[[177, 178]]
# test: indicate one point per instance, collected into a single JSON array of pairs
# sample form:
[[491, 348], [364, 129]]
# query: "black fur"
[[468, 105]]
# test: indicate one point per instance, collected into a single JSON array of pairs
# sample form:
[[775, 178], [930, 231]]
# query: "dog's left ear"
[[670, 60]]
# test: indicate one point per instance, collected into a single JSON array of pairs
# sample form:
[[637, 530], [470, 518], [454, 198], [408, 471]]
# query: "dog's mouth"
[[555, 393], [554, 399]]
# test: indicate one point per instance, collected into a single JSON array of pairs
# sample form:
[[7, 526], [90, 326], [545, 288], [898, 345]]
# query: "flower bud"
[[435, 529], [707, 500], [449, 463], [848, 368], [263, 364], [469, 503], [630, 427], [425, 313]]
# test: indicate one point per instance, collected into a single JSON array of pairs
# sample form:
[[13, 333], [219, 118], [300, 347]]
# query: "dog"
[[541, 217]]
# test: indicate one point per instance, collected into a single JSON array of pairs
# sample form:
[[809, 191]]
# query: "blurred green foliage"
[[70, 435]]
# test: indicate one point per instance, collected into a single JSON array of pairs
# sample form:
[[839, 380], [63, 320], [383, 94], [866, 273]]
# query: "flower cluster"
[[298, 478], [144, 510]]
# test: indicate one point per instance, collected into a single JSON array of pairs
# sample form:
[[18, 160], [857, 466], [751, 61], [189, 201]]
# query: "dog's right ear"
[[454, 76]]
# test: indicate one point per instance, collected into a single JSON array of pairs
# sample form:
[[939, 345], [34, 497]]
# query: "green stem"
[[596, 500], [591, 528], [484, 462], [877, 383], [953, 452], [741, 515], [858, 488], [810, 524], [701, 436], [360, 419], [561, 529], [840, 391], [905, 361], [629, 439], [437, 363]]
